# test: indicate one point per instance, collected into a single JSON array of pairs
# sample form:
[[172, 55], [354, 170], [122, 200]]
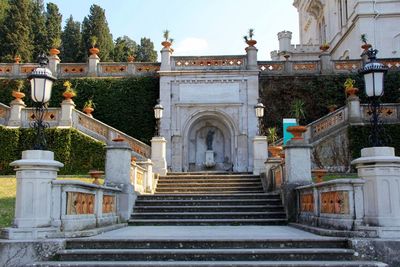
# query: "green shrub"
[[79, 153]]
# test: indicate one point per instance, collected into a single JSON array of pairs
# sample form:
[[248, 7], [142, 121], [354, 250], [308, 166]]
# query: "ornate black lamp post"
[[158, 113], [41, 84], [259, 108], [374, 73]]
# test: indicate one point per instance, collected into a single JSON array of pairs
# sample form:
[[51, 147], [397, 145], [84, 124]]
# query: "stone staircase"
[[331, 252], [209, 199]]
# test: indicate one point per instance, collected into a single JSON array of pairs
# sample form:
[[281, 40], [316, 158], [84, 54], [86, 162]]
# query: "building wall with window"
[[342, 22]]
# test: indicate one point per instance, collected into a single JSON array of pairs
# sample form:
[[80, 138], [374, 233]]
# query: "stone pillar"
[[353, 106], [158, 155], [252, 58], [66, 113], [15, 119], [326, 63], [33, 208], [269, 164], [381, 169], [94, 60], [118, 172], [297, 173], [285, 40], [260, 150], [166, 59], [53, 64]]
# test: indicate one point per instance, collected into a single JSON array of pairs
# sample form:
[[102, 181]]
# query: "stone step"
[[204, 243], [209, 183], [208, 174], [208, 215], [207, 222], [207, 202], [225, 192], [207, 179], [257, 208], [206, 254], [205, 190], [211, 264], [210, 196]]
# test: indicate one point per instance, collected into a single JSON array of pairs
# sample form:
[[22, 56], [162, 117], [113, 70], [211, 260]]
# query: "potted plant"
[[319, 175], [69, 91], [365, 45], [17, 59], [88, 107], [272, 137], [249, 38], [93, 42], [55, 44], [324, 46], [299, 113], [349, 87], [95, 174], [332, 107], [167, 41], [19, 85]]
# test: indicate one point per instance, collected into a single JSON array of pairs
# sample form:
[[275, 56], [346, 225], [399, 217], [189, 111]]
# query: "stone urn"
[[166, 44], [18, 95], [95, 174], [251, 42], [54, 51], [319, 174], [352, 91], [324, 47], [366, 46], [88, 111], [17, 59], [131, 58], [297, 131], [94, 51], [275, 151], [68, 95]]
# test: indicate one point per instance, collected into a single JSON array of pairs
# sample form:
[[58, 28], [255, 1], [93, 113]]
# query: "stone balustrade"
[[78, 205], [335, 204], [142, 177], [208, 62]]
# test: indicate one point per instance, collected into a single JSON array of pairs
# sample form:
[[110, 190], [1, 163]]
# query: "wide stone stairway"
[[215, 220], [209, 199]]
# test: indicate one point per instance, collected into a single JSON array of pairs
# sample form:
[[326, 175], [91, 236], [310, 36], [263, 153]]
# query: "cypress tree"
[[53, 25], [38, 28], [3, 9], [146, 52], [124, 47], [71, 41], [96, 25], [15, 32]]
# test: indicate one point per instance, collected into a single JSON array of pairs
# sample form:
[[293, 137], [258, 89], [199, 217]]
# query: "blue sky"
[[199, 27]]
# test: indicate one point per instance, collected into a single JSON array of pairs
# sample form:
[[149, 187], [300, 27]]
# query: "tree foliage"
[[38, 28], [72, 41], [124, 47], [95, 24], [53, 25], [145, 51]]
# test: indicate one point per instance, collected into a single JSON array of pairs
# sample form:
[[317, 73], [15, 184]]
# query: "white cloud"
[[191, 46]]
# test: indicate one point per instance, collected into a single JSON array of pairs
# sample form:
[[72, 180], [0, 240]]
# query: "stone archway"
[[222, 147]]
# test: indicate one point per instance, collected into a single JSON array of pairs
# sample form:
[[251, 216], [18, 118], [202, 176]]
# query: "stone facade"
[[341, 23]]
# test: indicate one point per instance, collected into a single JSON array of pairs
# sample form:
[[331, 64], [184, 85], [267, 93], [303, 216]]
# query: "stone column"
[[53, 64], [381, 169], [94, 60], [15, 119], [326, 63], [252, 58], [33, 208], [158, 155], [260, 150], [118, 170], [166, 59], [353, 106], [297, 173], [67, 106]]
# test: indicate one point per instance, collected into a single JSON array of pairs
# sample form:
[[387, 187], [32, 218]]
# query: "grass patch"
[[333, 176], [8, 189]]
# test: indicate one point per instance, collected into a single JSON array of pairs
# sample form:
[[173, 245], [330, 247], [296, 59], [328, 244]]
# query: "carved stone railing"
[[336, 204], [72, 70], [390, 113], [51, 117], [273, 67], [78, 205], [142, 177], [305, 66], [208, 62], [4, 113], [104, 132], [346, 66]]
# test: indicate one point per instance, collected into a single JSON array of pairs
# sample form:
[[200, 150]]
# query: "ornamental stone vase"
[[297, 131], [275, 151]]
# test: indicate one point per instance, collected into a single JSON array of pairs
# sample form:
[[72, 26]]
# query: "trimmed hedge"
[[78, 152], [359, 138], [123, 103]]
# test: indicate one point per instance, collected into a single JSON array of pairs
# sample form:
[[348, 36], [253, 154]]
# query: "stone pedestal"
[[165, 59], [16, 107], [35, 172], [260, 153], [252, 58], [326, 63], [158, 155], [94, 60], [118, 173], [381, 169], [297, 173], [210, 162], [66, 113], [149, 178], [353, 105], [53, 64], [269, 164]]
